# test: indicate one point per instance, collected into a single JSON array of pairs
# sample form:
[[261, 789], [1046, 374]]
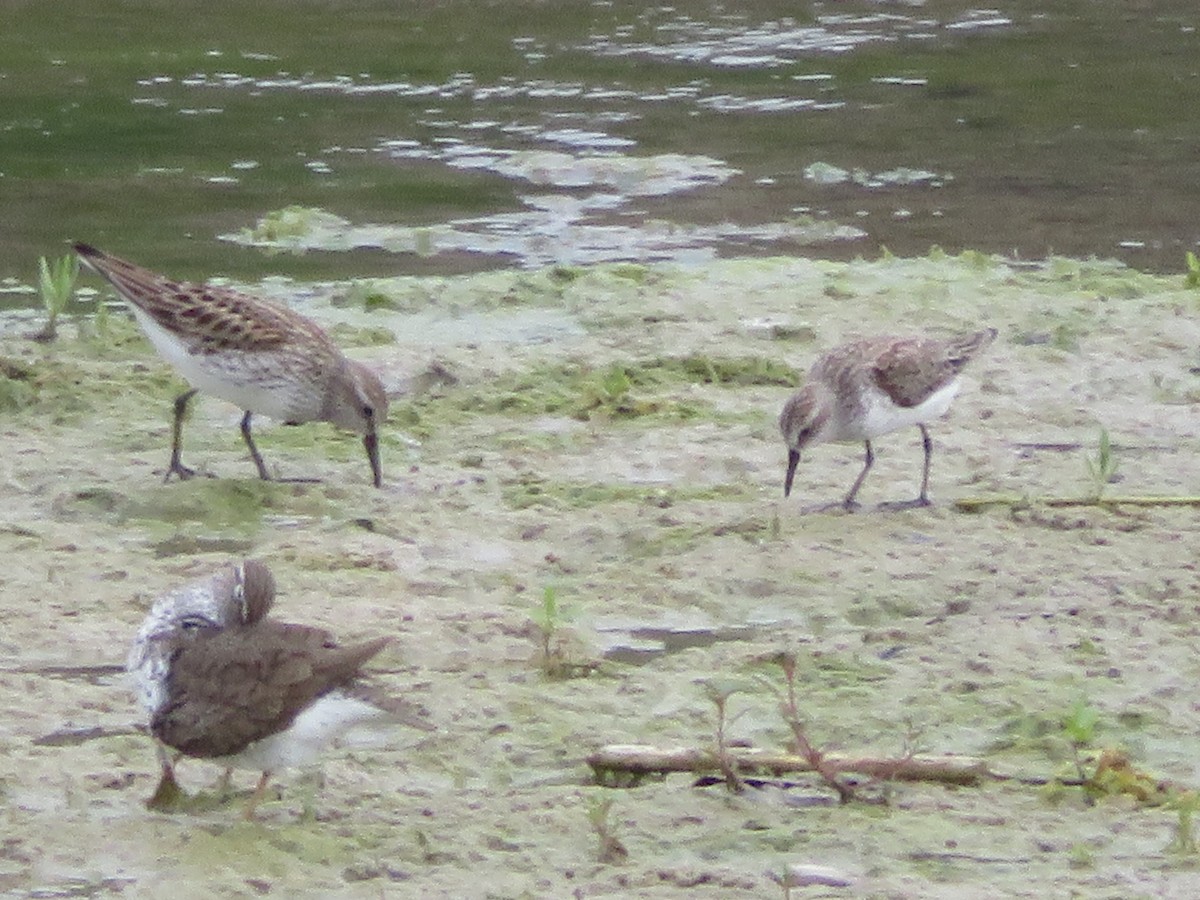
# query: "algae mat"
[[609, 433]]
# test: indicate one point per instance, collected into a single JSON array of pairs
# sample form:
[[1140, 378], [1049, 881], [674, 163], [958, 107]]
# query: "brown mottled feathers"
[[909, 371], [232, 687], [215, 319]]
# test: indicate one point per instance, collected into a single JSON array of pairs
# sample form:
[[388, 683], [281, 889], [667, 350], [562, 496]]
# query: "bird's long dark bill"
[[793, 461], [371, 442]]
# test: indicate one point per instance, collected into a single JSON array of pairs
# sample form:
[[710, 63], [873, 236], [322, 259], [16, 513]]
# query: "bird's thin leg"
[[927, 443], [176, 467], [254, 454], [224, 785], [256, 797], [850, 503], [923, 499], [258, 460]]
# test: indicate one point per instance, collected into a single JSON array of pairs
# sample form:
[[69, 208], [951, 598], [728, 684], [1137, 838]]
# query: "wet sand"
[[558, 431]]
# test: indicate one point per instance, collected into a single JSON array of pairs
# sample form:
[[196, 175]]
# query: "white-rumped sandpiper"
[[866, 388], [259, 355]]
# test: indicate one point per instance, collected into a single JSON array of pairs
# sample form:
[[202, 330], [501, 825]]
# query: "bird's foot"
[[224, 786], [915, 503], [183, 473], [837, 505], [168, 796]]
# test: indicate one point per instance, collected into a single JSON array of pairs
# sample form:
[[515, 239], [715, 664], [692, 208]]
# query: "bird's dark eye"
[[193, 622]]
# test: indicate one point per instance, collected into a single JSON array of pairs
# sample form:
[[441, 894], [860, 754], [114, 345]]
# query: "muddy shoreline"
[[609, 433]]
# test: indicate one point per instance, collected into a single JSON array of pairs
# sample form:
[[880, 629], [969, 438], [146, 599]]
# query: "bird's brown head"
[[803, 417], [357, 402]]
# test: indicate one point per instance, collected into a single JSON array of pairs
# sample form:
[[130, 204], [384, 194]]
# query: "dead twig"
[[975, 504], [814, 757], [719, 692], [644, 760]]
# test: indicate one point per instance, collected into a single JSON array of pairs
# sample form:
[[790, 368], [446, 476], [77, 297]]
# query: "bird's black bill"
[[793, 461], [371, 442]]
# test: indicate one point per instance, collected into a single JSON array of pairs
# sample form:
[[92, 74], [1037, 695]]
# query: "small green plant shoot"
[[56, 283], [547, 618], [1103, 466]]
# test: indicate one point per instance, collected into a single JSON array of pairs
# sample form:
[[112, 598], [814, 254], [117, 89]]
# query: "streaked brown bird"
[[254, 353], [268, 695], [236, 594], [866, 388]]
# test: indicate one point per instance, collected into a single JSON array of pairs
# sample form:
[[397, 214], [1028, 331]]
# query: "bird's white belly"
[[261, 385], [880, 415], [311, 733]]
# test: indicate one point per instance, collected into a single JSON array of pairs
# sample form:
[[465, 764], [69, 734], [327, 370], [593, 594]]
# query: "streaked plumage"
[[259, 355], [266, 695], [237, 594], [866, 388]]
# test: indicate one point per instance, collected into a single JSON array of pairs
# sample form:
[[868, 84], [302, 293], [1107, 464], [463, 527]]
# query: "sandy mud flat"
[[609, 433]]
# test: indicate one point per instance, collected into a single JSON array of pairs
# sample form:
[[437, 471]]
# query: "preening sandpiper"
[[219, 680], [866, 388], [259, 355], [236, 594], [267, 695]]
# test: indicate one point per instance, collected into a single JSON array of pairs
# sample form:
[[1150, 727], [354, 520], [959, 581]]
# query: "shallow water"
[[603, 131]]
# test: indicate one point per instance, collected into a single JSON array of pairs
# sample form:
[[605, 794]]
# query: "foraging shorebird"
[[259, 355], [221, 681], [866, 388], [268, 695]]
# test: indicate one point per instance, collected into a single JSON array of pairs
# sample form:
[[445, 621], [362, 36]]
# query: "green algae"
[[362, 336], [76, 378], [629, 390], [16, 390], [216, 504], [578, 390], [290, 222], [266, 851], [735, 371]]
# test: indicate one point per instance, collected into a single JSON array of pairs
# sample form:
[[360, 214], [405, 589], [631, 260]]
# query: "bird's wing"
[[231, 688], [910, 371], [214, 319]]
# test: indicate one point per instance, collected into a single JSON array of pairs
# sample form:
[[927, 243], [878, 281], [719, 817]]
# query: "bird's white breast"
[[256, 381], [879, 414], [318, 727]]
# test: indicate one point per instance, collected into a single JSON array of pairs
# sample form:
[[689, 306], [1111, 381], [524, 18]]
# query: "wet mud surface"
[[609, 433]]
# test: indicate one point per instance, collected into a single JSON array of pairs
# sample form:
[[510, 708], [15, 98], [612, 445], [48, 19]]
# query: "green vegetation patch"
[[60, 387], [627, 390], [16, 389], [738, 371], [350, 336], [215, 503]]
